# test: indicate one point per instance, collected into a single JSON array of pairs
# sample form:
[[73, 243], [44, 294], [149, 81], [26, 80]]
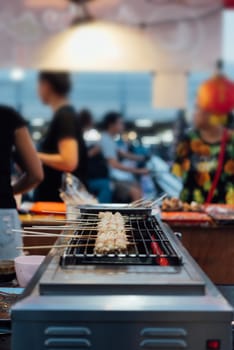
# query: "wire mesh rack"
[[148, 245]]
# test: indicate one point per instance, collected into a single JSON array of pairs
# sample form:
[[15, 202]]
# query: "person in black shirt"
[[62, 149], [14, 134], [99, 183]]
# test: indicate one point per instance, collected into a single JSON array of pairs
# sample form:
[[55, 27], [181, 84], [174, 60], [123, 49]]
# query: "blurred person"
[[231, 120], [98, 180], [205, 161], [124, 145], [62, 149], [216, 95], [179, 130], [14, 135], [145, 181], [126, 188]]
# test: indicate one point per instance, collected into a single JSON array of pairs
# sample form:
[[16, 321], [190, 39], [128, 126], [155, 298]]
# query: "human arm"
[[32, 173], [110, 152], [131, 156], [114, 163], [94, 151], [67, 158], [181, 163], [66, 133]]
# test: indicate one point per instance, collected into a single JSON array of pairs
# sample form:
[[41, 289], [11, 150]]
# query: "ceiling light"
[[37, 122], [132, 135], [92, 135], [150, 140], [94, 45], [144, 123], [98, 46], [36, 135], [167, 136], [17, 74]]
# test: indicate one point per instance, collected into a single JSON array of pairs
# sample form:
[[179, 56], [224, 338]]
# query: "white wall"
[[228, 36]]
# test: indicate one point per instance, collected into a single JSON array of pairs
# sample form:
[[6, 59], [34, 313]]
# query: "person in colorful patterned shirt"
[[205, 161]]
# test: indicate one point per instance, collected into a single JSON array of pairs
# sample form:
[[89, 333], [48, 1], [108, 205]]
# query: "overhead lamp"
[[17, 74], [151, 140], [92, 135], [96, 45], [144, 123], [37, 122], [167, 136], [132, 135], [36, 135]]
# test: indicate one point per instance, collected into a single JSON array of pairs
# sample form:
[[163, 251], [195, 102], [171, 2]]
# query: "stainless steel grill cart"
[[154, 296]]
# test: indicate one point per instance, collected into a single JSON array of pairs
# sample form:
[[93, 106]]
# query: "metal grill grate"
[[149, 245]]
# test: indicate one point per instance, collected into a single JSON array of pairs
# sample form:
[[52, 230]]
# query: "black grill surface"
[[149, 245]]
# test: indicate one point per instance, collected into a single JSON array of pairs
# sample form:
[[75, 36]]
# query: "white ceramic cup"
[[25, 268]]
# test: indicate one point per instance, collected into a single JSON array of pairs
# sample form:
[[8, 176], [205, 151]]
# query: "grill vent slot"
[[67, 343], [67, 331], [67, 338], [164, 338]]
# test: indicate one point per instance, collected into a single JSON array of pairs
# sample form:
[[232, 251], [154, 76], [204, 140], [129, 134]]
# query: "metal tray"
[[121, 208]]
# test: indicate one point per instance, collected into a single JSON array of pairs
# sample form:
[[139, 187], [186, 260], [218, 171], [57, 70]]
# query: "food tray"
[[43, 207], [191, 218], [123, 209], [221, 214]]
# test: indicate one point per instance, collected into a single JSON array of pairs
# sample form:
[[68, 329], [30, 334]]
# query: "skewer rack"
[[149, 245]]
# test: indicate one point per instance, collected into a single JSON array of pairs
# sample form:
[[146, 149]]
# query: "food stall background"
[[188, 37]]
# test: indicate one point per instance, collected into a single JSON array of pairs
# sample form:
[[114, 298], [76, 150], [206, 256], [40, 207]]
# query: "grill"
[[149, 245], [132, 301]]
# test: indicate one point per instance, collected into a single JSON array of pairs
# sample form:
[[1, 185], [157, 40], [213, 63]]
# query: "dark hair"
[[110, 119], [220, 65], [85, 118], [59, 81]]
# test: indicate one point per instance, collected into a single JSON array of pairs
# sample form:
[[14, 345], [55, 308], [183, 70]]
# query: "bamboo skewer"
[[68, 220], [88, 221], [137, 201], [46, 234], [82, 213], [55, 246], [70, 212], [64, 236], [57, 212], [159, 199], [127, 229], [71, 244], [53, 227], [140, 202], [147, 202], [67, 228], [60, 246]]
